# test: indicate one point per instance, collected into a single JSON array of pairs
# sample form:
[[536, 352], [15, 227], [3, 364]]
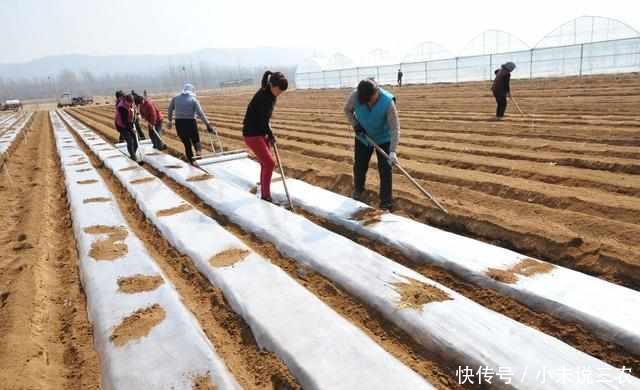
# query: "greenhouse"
[[583, 46]]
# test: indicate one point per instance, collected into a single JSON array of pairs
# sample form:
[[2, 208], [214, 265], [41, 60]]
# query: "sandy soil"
[[559, 184], [298, 162], [45, 338]]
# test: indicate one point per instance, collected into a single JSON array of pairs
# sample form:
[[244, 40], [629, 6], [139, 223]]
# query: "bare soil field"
[[561, 184]]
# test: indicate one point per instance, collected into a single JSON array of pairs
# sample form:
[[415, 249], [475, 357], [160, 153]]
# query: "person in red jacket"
[[257, 129], [152, 115], [125, 118]]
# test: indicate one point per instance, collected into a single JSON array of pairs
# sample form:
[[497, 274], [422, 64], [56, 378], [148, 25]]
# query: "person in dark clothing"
[[400, 74], [124, 124], [119, 95], [501, 87], [152, 115], [372, 111], [256, 128], [136, 117]]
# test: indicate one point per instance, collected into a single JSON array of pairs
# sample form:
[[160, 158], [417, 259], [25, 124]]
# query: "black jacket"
[[501, 85], [258, 115]]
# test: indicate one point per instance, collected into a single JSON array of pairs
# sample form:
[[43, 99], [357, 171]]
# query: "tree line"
[[85, 83]]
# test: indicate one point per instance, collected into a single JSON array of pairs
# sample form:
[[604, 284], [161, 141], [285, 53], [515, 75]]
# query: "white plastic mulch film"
[[145, 338], [10, 129], [322, 349], [455, 327]]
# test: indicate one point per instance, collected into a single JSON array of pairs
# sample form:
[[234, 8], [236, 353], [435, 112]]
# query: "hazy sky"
[[34, 28]]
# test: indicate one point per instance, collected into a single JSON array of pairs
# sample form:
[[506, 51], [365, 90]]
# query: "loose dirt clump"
[[90, 181], [415, 294], [174, 210], [96, 200], [368, 216], [228, 258], [77, 163], [112, 157], [530, 267], [154, 154], [143, 180], [137, 325], [109, 248], [502, 275], [200, 178], [84, 170], [203, 382], [526, 267], [139, 283], [173, 166]]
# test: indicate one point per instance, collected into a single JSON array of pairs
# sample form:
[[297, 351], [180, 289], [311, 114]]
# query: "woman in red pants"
[[257, 130]]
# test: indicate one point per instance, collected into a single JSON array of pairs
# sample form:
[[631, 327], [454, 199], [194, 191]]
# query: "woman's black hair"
[[275, 79], [119, 94], [366, 89]]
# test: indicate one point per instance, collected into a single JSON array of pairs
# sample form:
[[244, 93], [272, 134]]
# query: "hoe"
[[220, 156], [404, 172]]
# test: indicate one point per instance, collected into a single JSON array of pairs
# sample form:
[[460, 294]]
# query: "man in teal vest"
[[372, 112]]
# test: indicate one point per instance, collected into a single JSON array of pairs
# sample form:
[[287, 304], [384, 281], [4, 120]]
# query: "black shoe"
[[162, 147], [358, 195], [141, 163], [387, 206]]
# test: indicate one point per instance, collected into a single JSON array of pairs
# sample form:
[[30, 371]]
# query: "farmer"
[[372, 112], [124, 124], [119, 95], [136, 121], [400, 74], [501, 88], [187, 107], [150, 113], [257, 129]]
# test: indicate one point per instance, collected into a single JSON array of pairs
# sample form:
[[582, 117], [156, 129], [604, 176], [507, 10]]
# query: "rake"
[[522, 112], [284, 179], [406, 174], [221, 156]]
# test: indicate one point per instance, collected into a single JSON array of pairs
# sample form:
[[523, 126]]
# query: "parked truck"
[[65, 100], [68, 100], [14, 105]]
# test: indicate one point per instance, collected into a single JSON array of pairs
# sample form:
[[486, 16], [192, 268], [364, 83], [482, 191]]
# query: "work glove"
[[209, 128], [271, 139], [170, 125], [393, 158], [359, 129]]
